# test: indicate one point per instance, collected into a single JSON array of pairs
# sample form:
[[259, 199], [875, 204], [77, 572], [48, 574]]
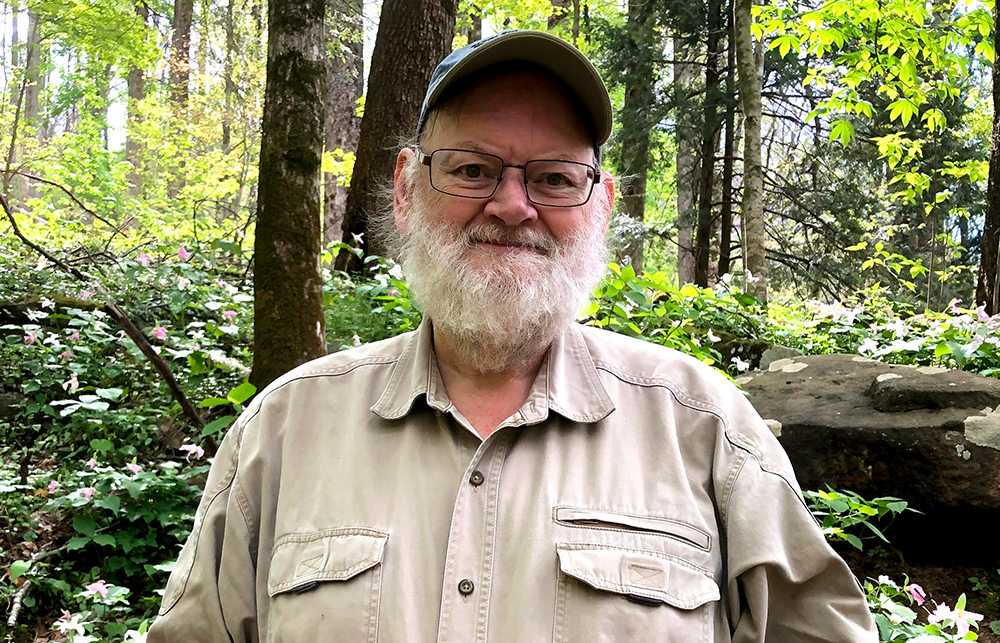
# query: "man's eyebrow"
[[474, 146]]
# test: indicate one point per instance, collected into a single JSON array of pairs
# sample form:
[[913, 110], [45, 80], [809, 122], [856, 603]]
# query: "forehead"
[[514, 110]]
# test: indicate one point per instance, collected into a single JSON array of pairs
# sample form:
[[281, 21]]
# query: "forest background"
[[820, 174]]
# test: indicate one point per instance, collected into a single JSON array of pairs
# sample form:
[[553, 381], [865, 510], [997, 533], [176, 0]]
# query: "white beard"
[[502, 315]]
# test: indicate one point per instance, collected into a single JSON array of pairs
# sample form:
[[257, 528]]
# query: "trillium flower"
[[193, 451], [75, 335], [86, 294], [97, 587], [66, 354], [160, 332], [712, 337], [981, 314], [144, 259], [393, 292], [962, 618], [92, 463], [72, 384], [868, 346], [88, 492], [183, 253], [69, 622], [182, 283], [357, 340], [30, 338], [740, 364], [48, 303], [953, 306], [53, 486], [229, 315], [134, 468], [134, 635], [917, 592]]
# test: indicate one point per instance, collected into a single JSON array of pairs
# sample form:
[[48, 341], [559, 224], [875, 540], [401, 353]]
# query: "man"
[[503, 474]]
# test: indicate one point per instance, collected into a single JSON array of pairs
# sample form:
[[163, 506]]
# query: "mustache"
[[523, 237]]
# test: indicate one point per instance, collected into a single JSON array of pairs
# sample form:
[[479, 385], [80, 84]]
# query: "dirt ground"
[[942, 584]]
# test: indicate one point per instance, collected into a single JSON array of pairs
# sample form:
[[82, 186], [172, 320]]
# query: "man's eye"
[[555, 180], [471, 171]]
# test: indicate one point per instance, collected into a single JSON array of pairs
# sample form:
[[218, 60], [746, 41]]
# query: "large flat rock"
[[927, 435]]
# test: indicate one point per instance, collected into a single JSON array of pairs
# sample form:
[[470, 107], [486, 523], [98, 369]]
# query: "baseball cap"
[[563, 60]]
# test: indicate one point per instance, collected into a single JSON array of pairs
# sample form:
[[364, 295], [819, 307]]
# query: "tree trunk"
[[180, 53], [750, 59], [710, 130], [288, 301], [986, 286], [684, 73], [32, 87], [229, 88], [726, 216], [560, 9], [636, 123], [136, 92], [413, 37], [344, 86]]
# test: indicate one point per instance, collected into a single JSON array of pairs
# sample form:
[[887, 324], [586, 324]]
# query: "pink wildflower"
[[75, 335], [229, 315], [134, 468], [72, 384], [85, 294], [92, 463], [356, 341], [66, 354], [88, 492], [981, 314], [193, 451], [953, 306], [160, 332], [393, 292], [144, 259], [183, 253], [917, 592], [30, 338], [53, 486], [962, 619], [182, 283], [97, 588]]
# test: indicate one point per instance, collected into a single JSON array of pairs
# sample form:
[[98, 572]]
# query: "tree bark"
[[750, 60], [288, 286], [180, 52], [709, 138], [726, 216], [686, 163], [344, 86], [229, 85], [136, 92], [986, 285], [413, 37], [636, 123]]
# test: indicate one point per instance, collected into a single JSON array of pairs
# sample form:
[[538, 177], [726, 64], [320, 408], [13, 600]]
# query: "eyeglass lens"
[[477, 175]]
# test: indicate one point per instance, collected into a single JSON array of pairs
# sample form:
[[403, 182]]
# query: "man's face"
[[501, 275]]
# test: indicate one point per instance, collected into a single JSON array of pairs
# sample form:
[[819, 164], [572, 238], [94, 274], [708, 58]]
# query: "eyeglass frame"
[[425, 159]]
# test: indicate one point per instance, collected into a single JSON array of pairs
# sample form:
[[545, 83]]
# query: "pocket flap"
[[639, 573], [300, 560]]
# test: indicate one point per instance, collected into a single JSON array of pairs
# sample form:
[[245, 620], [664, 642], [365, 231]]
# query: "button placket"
[[471, 542]]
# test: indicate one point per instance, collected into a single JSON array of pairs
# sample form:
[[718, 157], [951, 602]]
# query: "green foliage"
[[842, 513]]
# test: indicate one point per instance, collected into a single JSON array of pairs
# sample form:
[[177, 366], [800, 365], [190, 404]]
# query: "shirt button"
[[465, 587], [476, 478]]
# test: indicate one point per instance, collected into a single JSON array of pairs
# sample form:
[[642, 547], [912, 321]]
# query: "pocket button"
[[466, 587]]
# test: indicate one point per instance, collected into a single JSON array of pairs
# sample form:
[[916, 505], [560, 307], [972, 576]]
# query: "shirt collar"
[[567, 383]]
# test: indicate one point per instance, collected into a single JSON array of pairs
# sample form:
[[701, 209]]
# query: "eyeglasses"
[[477, 175]]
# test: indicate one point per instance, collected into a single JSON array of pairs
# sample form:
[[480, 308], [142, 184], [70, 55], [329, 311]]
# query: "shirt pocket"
[[326, 582], [608, 593]]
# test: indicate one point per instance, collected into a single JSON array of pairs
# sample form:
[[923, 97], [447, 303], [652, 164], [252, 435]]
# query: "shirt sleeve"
[[210, 596], [788, 583]]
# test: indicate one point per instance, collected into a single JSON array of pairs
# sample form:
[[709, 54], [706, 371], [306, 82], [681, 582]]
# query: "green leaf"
[[960, 603], [106, 540], [111, 503], [854, 540], [842, 131], [109, 393], [241, 393], [858, 246], [84, 524], [18, 568], [77, 543], [215, 426], [101, 446], [213, 401]]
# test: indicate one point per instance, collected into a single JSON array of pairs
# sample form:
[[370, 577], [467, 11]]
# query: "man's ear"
[[608, 185], [401, 190]]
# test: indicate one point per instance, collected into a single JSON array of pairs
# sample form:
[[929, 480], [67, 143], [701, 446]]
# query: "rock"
[[925, 435], [759, 354], [775, 353]]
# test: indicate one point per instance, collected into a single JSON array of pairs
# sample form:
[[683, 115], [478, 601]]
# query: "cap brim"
[[562, 59]]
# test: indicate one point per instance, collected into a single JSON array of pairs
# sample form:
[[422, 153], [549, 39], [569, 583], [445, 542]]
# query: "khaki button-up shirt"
[[635, 497]]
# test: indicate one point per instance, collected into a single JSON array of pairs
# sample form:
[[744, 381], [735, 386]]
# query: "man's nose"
[[510, 202]]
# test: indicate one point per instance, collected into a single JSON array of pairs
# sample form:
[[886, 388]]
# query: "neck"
[[487, 398]]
